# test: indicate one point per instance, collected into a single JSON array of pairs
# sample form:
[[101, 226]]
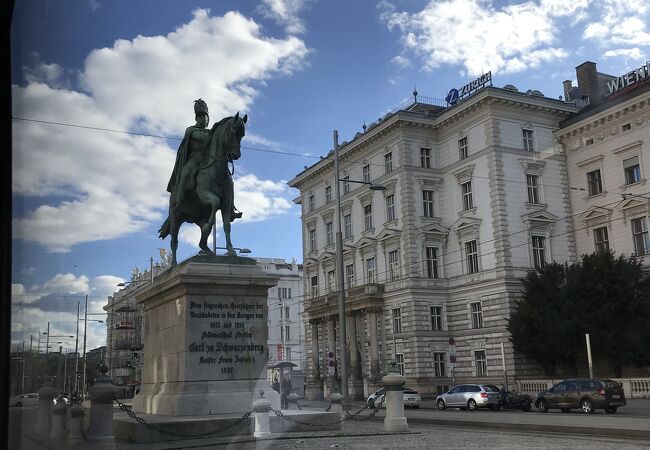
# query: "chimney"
[[588, 81], [567, 88]]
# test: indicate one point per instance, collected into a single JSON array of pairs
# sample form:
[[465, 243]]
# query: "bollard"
[[101, 407], [292, 399], [395, 419], [43, 418], [261, 407], [58, 420], [336, 405], [75, 435]]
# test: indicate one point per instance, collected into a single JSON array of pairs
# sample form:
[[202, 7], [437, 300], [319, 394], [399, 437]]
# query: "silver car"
[[469, 396]]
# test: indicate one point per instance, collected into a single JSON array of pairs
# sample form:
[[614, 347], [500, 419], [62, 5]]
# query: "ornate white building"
[[608, 152], [476, 194]]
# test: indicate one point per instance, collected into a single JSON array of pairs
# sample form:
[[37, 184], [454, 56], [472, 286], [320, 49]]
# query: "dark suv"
[[587, 394]]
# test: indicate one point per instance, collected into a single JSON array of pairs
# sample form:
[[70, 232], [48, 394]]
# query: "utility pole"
[[76, 350], [589, 361], [47, 342], [83, 383], [22, 379]]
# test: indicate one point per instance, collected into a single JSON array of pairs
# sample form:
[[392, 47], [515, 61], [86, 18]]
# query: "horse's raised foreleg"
[[225, 216]]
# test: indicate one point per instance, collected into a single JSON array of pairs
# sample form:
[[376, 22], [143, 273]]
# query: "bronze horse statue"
[[211, 189]]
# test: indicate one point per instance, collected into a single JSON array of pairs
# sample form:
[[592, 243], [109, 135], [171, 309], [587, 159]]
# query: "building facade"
[[608, 155], [476, 195]]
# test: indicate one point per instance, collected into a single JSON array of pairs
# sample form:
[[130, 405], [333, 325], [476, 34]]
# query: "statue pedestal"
[[205, 338]]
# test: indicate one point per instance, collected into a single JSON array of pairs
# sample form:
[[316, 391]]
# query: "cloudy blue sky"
[[87, 202]]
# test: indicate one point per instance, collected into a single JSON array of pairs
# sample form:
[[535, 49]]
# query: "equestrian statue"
[[201, 182]]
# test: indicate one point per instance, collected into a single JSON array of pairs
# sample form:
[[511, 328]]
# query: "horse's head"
[[235, 131]]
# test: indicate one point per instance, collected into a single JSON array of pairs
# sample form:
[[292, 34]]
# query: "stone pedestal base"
[[355, 389], [395, 424], [314, 391]]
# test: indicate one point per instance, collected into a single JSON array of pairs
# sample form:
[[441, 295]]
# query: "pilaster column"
[[374, 344], [331, 335], [315, 350], [354, 344]]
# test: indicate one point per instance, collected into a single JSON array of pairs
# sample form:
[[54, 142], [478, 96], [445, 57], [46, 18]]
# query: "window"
[[626, 127], [367, 214], [640, 234], [439, 364], [397, 320], [312, 240], [390, 208], [314, 286], [312, 203], [477, 314], [528, 140], [371, 270], [328, 194], [366, 173], [288, 292], [594, 182], [468, 201], [285, 334], [436, 318], [632, 170], [471, 253], [427, 203], [346, 184], [589, 141], [425, 158], [331, 281], [432, 262], [393, 264], [286, 312], [328, 232], [462, 148], [601, 240], [349, 275], [399, 359], [347, 225], [388, 162], [533, 189], [539, 258], [284, 293], [288, 354], [481, 363]]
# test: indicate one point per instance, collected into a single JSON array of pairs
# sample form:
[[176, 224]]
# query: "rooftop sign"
[[630, 80], [454, 94]]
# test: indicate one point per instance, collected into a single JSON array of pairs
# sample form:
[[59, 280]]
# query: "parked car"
[[411, 398], [24, 400], [587, 394], [469, 396]]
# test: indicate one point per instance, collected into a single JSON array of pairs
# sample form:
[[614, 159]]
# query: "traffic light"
[[331, 364]]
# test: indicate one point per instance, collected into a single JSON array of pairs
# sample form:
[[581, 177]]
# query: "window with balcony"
[[427, 203], [312, 240], [347, 225], [471, 256], [468, 199], [388, 162], [371, 271], [539, 251], [532, 184], [397, 320], [640, 236], [462, 148], [601, 240], [594, 182], [477, 314], [432, 262], [481, 363], [367, 215], [390, 208], [632, 170], [366, 173], [425, 158], [439, 369], [528, 140], [329, 232], [349, 275], [436, 318], [393, 265], [328, 194]]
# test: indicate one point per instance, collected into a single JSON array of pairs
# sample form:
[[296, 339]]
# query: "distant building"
[[476, 195], [608, 158]]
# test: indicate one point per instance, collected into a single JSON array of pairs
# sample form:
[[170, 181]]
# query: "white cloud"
[[632, 53], [111, 184], [286, 13], [401, 61], [619, 24], [480, 36]]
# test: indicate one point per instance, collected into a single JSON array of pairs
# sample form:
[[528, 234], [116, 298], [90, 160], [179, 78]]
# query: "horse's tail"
[[164, 229]]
